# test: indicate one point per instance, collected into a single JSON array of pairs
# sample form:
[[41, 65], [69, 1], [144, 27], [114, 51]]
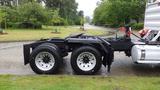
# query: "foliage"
[[56, 19], [2, 15], [81, 14], [119, 12], [137, 26], [67, 9], [6, 2], [12, 3], [88, 19], [34, 14]]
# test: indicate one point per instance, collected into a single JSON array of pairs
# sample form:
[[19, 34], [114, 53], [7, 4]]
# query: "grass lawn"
[[28, 34], [8, 82]]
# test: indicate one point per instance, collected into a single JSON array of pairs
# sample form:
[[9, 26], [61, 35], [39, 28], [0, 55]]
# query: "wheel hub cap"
[[45, 61], [86, 61]]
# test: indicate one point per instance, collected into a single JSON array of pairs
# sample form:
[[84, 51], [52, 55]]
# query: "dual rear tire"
[[86, 60], [46, 59]]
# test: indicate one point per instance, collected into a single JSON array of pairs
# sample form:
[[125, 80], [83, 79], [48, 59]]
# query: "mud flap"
[[111, 59], [107, 62], [108, 59], [109, 53], [26, 52]]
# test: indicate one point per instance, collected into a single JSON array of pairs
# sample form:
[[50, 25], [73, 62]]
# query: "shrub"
[[37, 25], [8, 24], [137, 26], [1, 31], [29, 25]]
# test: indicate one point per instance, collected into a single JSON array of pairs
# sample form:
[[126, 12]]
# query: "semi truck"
[[89, 53]]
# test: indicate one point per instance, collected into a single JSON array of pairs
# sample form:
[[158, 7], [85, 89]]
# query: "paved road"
[[88, 26], [11, 62]]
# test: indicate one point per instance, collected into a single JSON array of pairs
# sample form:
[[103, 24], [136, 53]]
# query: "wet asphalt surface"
[[12, 62]]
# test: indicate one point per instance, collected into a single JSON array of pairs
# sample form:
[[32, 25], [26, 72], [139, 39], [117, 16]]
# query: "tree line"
[[119, 12], [35, 13]]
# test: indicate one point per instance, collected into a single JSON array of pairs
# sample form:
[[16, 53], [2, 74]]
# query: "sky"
[[88, 6]]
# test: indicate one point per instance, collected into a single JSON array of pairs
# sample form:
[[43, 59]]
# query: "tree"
[[57, 12], [56, 19], [21, 2], [67, 9], [119, 12], [88, 19], [81, 16], [9, 3], [5, 2], [33, 12], [2, 15]]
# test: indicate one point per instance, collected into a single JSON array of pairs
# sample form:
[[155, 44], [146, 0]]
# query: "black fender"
[[28, 48], [103, 46], [109, 53]]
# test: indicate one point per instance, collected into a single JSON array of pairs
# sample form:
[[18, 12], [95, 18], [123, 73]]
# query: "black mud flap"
[[108, 59], [26, 52], [105, 60]]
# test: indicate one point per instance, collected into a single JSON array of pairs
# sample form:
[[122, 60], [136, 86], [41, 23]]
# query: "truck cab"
[[147, 50]]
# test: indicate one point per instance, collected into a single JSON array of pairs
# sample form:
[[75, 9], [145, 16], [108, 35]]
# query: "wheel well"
[[86, 60], [96, 46], [60, 46], [106, 56]]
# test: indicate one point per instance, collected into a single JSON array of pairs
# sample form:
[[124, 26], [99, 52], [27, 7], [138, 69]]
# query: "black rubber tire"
[[47, 47], [80, 50]]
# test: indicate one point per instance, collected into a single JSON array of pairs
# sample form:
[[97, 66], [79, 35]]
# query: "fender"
[[27, 51], [109, 53]]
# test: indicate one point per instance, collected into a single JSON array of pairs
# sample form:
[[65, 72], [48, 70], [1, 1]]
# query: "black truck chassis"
[[102, 51]]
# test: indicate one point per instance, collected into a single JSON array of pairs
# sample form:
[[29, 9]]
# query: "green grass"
[[78, 83], [28, 34]]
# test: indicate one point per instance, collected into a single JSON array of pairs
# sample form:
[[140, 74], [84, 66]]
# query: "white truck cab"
[[149, 51]]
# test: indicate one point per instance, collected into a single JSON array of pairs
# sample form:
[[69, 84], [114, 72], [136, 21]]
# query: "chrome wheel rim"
[[45, 61], [86, 61]]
